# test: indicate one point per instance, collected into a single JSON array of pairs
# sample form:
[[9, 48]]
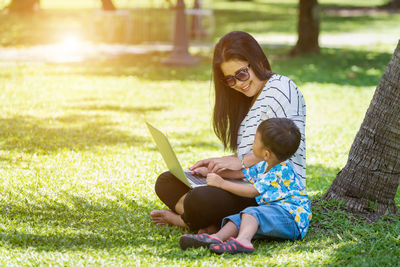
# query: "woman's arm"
[[206, 162], [232, 163], [203, 171], [243, 190]]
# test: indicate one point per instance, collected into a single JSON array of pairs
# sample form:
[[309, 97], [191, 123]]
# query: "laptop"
[[172, 161]]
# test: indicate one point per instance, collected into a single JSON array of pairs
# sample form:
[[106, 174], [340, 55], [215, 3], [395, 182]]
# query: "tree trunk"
[[23, 6], [392, 4], [369, 181], [196, 30], [307, 28], [107, 5]]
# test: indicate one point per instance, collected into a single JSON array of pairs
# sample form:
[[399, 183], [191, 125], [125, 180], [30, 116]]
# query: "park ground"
[[78, 166]]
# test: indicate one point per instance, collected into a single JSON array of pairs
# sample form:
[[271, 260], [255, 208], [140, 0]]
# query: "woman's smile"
[[246, 88], [250, 87]]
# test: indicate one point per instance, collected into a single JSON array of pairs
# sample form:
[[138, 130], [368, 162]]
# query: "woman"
[[246, 93]]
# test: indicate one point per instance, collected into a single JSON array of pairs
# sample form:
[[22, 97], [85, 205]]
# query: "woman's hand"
[[202, 171], [218, 164], [228, 162], [214, 180], [201, 163]]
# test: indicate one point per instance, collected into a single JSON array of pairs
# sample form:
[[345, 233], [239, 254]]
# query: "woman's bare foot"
[[167, 217], [212, 229]]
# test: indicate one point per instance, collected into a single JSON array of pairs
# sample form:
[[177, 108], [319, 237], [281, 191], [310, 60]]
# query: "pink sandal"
[[196, 241], [232, 246]]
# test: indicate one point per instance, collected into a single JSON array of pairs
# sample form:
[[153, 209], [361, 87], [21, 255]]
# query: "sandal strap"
[[232, 246]]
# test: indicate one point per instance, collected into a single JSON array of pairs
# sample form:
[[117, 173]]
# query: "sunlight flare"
[[71, 42], [69, 49]]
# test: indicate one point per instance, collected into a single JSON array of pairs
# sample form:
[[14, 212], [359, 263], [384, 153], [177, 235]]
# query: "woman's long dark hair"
[[232, 106]]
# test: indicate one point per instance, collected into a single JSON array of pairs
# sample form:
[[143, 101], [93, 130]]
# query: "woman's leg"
[[170, 189], [206, 205], [172, 193]]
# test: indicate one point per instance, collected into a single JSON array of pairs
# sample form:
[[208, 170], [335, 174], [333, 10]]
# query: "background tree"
[[369, 181], [23, 6], [307, 28], [196, 27], [107, 5], [392, 4]]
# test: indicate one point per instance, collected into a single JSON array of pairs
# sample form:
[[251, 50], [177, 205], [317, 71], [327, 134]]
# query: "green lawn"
[[78, 166]]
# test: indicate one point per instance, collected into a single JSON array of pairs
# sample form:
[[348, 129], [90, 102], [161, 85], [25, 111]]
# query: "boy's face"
[[258, 147]]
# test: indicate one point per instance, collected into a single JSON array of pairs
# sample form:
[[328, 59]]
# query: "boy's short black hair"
[[281, 136]]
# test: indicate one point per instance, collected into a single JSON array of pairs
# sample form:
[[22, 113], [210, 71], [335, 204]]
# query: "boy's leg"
[[248, 228], [244, 232], [230, 229], [227, 231], [273, 222]]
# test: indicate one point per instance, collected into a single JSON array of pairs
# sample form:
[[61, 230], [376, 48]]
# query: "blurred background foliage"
[[141, 22]]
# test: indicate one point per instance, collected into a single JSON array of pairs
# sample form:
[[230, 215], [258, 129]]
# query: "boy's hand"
[[214, 180], [203, 171]]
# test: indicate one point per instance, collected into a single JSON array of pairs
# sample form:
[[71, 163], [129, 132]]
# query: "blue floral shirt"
[[281, 186]]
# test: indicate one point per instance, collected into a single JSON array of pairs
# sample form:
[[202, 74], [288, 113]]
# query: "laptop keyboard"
[[196, 179]]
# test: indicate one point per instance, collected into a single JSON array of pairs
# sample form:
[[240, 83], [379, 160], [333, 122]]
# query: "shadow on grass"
[[117, 108], [343, 240], [143, 66], [67, 222], [75, 132], [72, 222], [256, 22], [337, 66]]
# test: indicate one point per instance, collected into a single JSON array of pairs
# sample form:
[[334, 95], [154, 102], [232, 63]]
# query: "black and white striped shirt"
[[280, 98]]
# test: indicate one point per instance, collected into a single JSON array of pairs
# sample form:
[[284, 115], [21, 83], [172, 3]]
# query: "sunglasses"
[[241, 75]]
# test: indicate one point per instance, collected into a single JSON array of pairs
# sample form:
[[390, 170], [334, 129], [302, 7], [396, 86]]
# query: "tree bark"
[[107, 5], [23, 6], [369, 181], [196, 30], [392, 4], [307, 28]]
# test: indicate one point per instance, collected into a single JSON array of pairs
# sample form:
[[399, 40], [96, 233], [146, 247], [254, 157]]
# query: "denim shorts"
[[273, 222]]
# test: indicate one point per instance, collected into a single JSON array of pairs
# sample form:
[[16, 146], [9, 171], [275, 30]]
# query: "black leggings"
[[204, 205]]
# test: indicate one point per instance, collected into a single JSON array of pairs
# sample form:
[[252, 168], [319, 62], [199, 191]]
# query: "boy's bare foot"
[[167, 217], [212, 229]]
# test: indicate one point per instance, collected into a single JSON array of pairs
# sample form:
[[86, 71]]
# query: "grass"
[[78, 166]]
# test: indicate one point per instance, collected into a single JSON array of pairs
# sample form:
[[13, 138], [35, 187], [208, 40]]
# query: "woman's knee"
[[164, 179], [203, 199], [196, 196], [169, 189]]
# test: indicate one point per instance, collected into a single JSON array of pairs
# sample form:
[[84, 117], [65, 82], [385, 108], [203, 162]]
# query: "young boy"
[[284, 208]]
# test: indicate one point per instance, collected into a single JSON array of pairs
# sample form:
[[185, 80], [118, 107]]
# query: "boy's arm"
[[243, 190]]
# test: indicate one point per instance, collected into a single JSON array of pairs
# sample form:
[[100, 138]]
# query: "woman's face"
[[250, 87]]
